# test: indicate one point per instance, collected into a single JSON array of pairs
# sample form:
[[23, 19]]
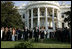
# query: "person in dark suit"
[[24, 34], [20, 34], [30, 33], [65, 35], [17, 32], [36, 34], [9, 35], [6, 34], [42, 34], [26, 31]]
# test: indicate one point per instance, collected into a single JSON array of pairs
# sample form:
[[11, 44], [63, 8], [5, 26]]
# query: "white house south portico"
[[42, 13]]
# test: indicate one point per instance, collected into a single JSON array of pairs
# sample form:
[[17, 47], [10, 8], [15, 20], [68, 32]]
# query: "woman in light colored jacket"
[[13, 34]]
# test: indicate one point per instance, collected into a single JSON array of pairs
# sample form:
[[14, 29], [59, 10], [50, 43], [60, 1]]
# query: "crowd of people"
[[63, 35], [13, 34]]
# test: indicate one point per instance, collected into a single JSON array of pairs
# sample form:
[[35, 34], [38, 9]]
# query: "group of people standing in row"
[[13, 34]]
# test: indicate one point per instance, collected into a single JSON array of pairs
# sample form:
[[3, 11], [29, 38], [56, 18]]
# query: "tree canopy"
[[68, 19], [9, 15]]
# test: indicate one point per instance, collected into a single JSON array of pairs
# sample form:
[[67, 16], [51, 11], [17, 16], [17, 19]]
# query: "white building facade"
[[44, 13]]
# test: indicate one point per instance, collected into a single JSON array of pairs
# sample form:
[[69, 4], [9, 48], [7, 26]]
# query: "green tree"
[[68, 19], [9, 15]]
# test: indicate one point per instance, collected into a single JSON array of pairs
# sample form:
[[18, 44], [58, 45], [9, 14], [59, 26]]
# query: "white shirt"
[[45, 32]]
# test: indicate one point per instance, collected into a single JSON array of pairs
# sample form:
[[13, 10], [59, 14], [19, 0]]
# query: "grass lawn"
[[48, 43]]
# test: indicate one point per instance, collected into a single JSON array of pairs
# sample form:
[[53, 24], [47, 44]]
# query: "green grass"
[[47, 43], [44, 45]]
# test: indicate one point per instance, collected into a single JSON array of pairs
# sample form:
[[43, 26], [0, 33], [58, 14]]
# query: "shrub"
[[25, 44]]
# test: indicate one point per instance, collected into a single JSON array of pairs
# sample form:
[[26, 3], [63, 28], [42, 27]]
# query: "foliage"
[[9, 15], [24, 45], [68, 19]]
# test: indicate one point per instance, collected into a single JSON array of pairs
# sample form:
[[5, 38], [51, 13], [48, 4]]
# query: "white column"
[[28, 19], [38, 17], [25, 18], [46, 19], [59, 23], [53, 19], [57, 19], [32, 18]]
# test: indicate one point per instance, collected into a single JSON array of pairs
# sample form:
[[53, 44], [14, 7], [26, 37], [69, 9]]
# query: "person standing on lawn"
[[13, 34], [36, 34], [26, 33], [20, 34], [17, 32], [10, 36], [6, 34], [2, 31], [42, 34], [30, 33]]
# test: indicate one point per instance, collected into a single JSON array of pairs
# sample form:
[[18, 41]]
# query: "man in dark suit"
[[9, 34], [26, 33], [30, 33], [6, 34], [36, 34]]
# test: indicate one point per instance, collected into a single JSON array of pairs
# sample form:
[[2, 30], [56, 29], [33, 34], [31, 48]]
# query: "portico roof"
[[50, 2]]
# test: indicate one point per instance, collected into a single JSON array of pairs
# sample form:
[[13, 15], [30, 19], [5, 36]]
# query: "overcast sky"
[[18, 3]]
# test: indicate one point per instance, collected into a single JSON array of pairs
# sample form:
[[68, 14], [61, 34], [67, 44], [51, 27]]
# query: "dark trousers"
[[26, 38], [36, 39], [19, 36], [23, 37]]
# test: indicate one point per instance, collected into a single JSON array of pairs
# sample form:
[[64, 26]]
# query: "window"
[[35, 13], [29, 13], [62, 16], [42, 13], [62, 25], [55, 15], [23, 15]]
